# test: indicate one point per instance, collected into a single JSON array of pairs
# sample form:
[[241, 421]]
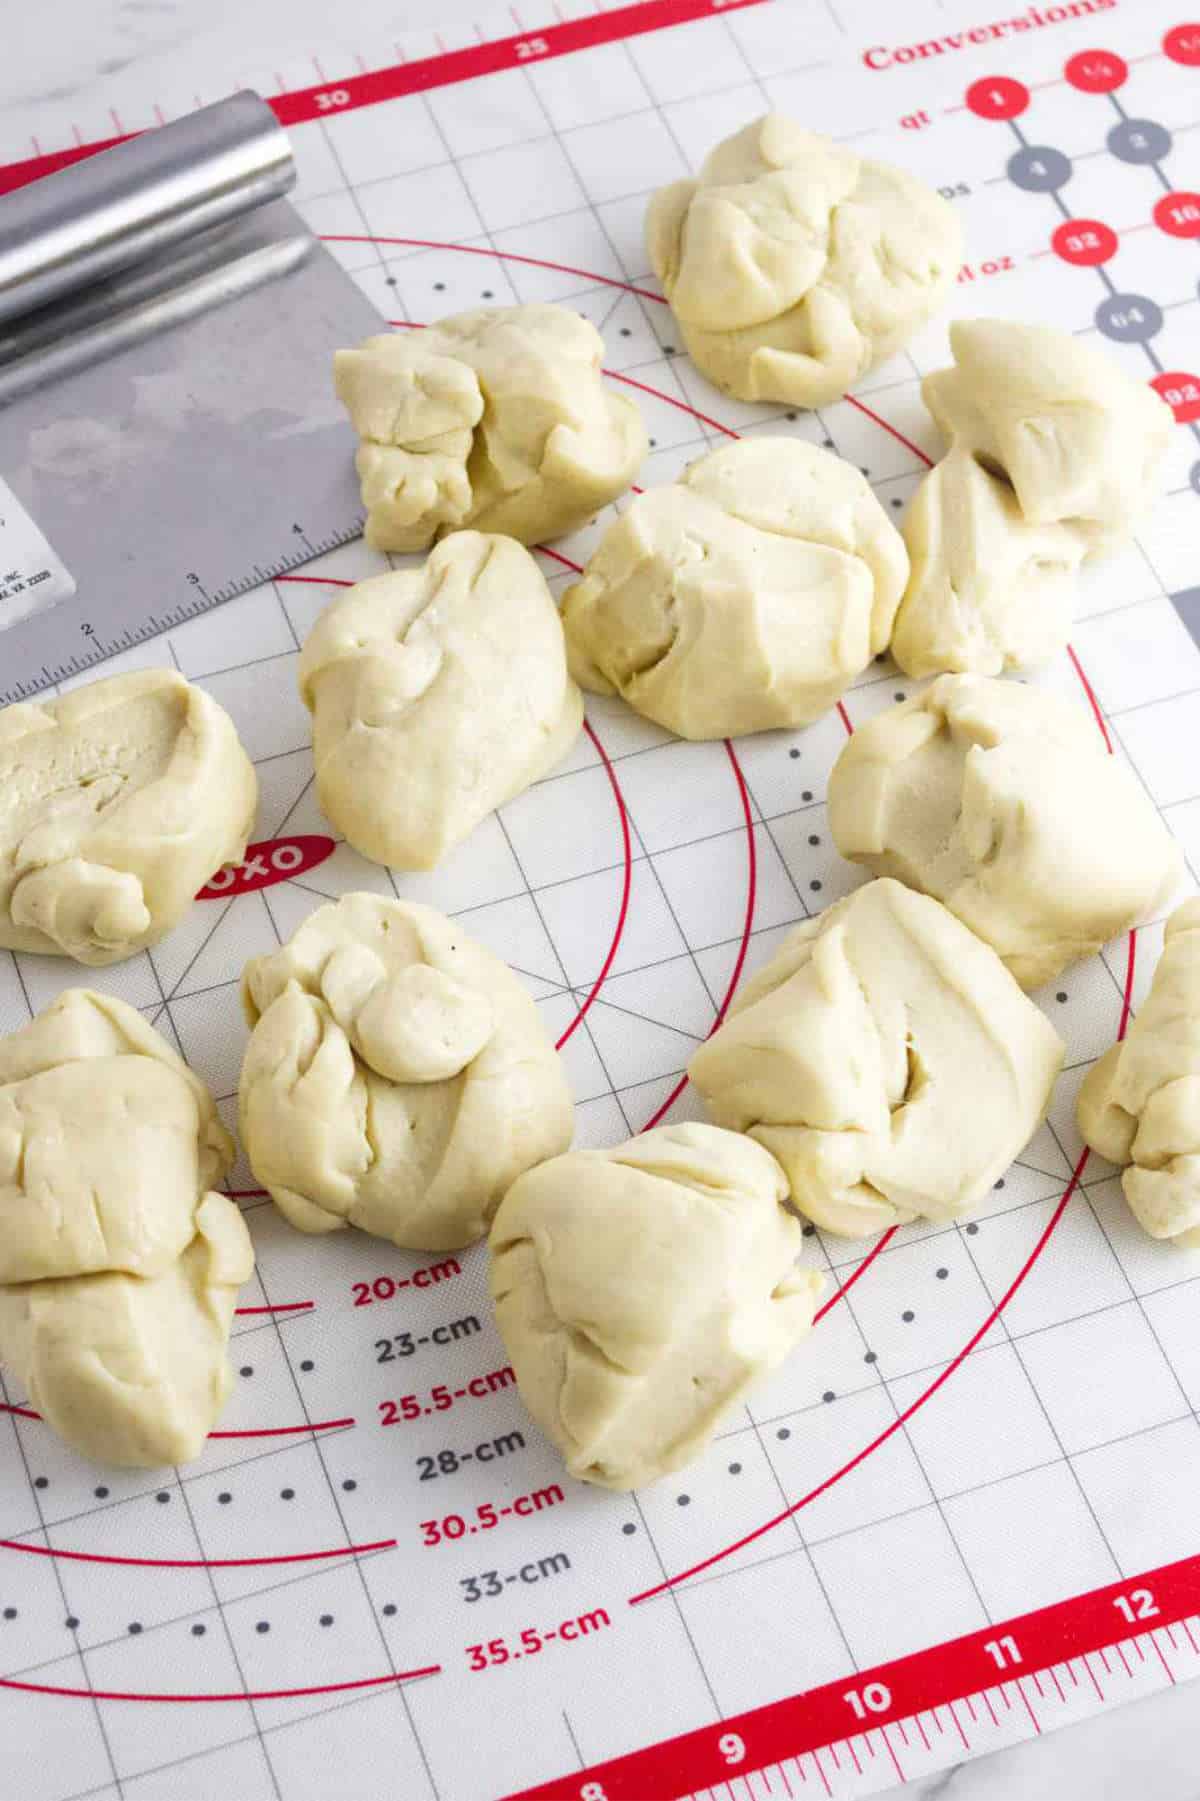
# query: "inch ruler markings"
[[991, 1672]]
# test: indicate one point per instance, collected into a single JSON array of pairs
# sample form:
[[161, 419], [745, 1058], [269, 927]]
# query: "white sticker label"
[[32, 575]]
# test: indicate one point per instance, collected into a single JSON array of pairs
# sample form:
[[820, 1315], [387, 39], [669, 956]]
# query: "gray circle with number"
[[1139, 141], [1039, 169], [1129, 318]]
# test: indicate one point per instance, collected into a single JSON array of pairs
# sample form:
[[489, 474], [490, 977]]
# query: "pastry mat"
[[964, 1512]]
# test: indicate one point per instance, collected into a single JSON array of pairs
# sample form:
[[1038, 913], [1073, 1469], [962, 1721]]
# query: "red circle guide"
[[1096, 71], [1086, 243]]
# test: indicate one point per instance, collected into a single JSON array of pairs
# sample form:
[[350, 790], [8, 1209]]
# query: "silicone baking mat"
[[935, 1525]]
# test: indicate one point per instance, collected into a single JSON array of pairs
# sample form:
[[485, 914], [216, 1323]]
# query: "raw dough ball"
[[747, 595], [1053, 456], [887, 1058], [398, 1077], [641, 1291], [1140, 1104], [117, 803], [497, 419], [437, 694], [1001, 801], [119, 1271], [794, 265]]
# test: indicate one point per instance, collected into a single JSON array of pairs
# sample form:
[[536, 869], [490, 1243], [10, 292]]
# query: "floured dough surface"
[[1001, 801], [887, 1059], [119, 1267], [437, 694], [1139, 1106], [793, 265], [117, 803], [1054, 452], [398, 1077], [641, 1292], [747, 595], [497, 419]]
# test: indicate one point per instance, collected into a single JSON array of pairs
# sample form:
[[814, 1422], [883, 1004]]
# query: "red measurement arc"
[[195, 1563], [27, 1413], [248, 1694]]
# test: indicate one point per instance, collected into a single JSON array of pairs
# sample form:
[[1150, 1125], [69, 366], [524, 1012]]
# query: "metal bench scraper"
[[169, 434]]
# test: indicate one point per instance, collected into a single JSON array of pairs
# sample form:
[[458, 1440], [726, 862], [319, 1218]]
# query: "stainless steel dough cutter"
[[169, 434]]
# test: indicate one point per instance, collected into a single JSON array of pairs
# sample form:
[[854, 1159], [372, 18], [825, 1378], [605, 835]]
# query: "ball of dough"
[[117, 803], [1053, 455], [496, 419], [398, 1077], [793, 265], [641, 1291], [749, 594], [437, 694], [1001, 801], [1139, 1106], [887, 1058], [119, 1269]]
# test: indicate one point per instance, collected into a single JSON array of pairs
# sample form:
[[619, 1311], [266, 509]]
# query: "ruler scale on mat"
[[970, 1489]]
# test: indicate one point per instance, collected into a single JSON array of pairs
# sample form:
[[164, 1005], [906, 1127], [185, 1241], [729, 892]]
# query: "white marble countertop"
[[1148, 1751]]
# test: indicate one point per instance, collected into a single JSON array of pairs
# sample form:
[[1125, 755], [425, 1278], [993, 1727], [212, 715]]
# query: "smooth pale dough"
[[437, 694], [117, 803], [398, 1077], [642, 1291], [749, 594], [794, 265], [887, 1058], [1053, 455], [1002, 802], [497, 419], [119, 1267], [1139, 1106]]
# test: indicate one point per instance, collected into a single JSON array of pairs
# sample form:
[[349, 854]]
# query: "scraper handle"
[[111, 211]]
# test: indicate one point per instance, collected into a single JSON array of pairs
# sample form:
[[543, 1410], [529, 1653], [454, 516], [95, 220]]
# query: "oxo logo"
[[268, 863]]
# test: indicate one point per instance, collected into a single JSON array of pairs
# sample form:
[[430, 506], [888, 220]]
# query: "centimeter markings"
[[202, 600], [1000, 1666]]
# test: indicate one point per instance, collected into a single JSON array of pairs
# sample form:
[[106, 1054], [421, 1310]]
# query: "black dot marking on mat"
[[735, 1469], [263, 1626], [100, 1493], [162, 1497], [488, 294], [349, 1484], [668, 350], [908, 1316], [899, 695], [389, 281], [871, 1357], [654, 443], [807, 794], [247, 1369], [625, 332], [307, 1365], [390, 1609], [135, 1627], [41, 1482], [941, 1274], [326, 1619], [810, 1231], [439, 287], [828, 443], [813, 838], [225, 1499], [829, 1395], [896, 501], [629, 1528], [815, 886], [999, 1184], [972, 1228], [683, 1500], [10, 1613], [864, 469], [198, 1630], [793, 752], [1061, 995], [287, 1494], [71, 1623], [784, 1432], [789, 415]]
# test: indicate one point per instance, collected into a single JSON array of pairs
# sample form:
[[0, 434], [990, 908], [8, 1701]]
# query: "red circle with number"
[[1182, 44], [1084, 242], [1181, 393], [1178, 215], [1096, 71], [999, 97]]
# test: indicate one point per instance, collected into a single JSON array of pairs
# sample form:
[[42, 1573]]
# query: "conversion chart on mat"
[[964, 1511]]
